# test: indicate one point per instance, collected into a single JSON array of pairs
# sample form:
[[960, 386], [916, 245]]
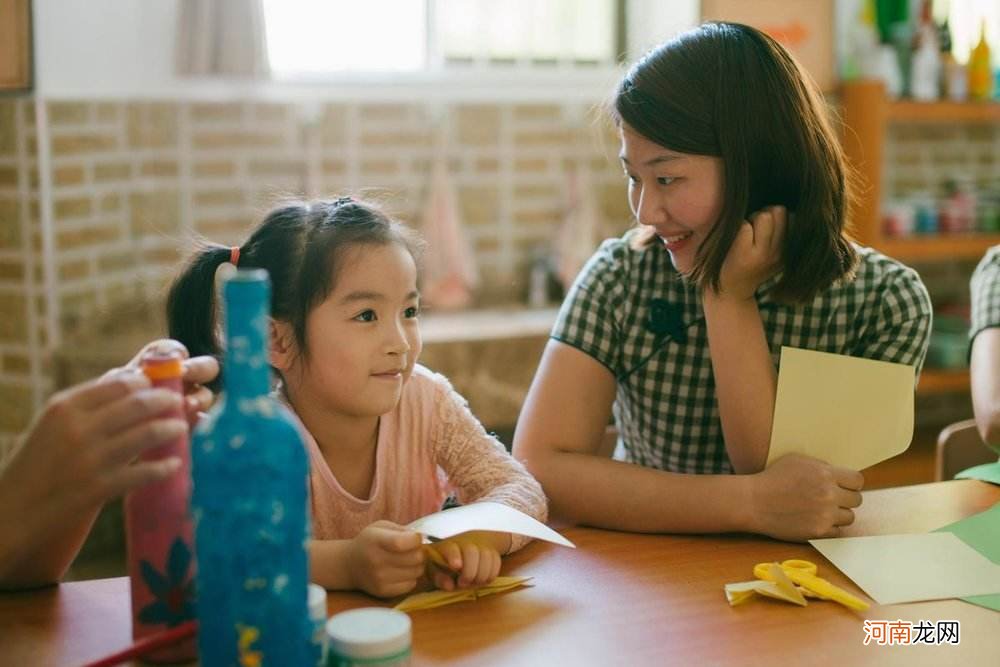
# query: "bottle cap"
[[160, 365], [369, 633]]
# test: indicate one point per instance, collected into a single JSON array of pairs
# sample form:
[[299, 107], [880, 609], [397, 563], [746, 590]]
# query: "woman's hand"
[[473, 560], [755, 254], [385, 559], [799, 498], [197, 372]]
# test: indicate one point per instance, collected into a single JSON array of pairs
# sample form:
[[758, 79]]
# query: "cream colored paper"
[[894, 569], [844, 410], [485, 516], [432, 599]]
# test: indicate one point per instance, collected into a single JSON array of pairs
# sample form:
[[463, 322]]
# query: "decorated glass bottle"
[[249, 503], [158, 531]]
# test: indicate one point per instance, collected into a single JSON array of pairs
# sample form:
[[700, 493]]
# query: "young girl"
[[740, 190], [380, 428]]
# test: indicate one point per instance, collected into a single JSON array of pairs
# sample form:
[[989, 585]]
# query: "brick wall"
[[22, 331], [130, 182]]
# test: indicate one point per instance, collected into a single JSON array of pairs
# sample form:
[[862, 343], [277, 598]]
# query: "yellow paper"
[[431, 599], [785, 585], [844, 410], [485, 516], [894, 569], [741, 592]]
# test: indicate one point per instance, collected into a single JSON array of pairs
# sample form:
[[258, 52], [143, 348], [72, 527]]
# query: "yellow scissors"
[[803, 573]]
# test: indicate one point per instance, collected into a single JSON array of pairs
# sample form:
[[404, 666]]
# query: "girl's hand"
[[755, 254], [385, 559], [197, 372], [799, 498], [473, 560]]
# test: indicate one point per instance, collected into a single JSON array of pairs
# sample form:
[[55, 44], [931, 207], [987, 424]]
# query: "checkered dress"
[[665, 405], [985, 290]]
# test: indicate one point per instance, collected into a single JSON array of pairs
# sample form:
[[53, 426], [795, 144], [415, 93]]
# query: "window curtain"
[[222, 38]]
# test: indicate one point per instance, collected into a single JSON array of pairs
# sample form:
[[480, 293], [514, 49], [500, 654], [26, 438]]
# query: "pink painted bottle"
[[159, 533]]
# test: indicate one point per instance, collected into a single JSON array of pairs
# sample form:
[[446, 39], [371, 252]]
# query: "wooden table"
[[619, 599]]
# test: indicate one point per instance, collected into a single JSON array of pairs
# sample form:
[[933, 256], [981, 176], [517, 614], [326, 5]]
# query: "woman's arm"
[[746, 381], [560, 431], [745, 378], [985, 369], [558, 436]]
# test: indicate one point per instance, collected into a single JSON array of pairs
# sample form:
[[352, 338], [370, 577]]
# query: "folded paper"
[[894, 569], [485, 516], [431, 599], [847, 411]]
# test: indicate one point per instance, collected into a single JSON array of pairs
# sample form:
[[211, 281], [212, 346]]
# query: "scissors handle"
[[761, 570]]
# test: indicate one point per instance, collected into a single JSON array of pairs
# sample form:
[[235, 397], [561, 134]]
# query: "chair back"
[[959, 447]]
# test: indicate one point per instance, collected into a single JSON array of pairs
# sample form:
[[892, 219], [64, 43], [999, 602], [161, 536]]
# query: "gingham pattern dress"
[[985, 291], [665, 406]]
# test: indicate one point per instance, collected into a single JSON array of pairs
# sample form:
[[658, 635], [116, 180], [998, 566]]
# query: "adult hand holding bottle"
[[79, 453]]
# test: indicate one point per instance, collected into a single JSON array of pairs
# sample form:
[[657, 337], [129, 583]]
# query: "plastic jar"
[[317, 614], [371, 636]]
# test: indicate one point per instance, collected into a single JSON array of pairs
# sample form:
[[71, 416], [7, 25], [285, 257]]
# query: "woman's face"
[[678, 194]]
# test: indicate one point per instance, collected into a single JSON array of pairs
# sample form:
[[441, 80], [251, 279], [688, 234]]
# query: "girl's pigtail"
[[191, 304]]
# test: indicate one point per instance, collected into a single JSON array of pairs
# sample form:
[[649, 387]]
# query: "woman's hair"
[[300, 245], [730, 91]]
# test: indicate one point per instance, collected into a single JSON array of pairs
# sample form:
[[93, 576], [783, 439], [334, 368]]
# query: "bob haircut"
[[728, 90]]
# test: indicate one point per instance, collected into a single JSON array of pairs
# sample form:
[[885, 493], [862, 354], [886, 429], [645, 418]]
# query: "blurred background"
[[128, 127]]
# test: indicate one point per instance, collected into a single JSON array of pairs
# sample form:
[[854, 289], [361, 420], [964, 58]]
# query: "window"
[[965, 19], [313, 39]]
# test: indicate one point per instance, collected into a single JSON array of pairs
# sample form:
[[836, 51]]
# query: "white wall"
[[104, 47], [651, 22]]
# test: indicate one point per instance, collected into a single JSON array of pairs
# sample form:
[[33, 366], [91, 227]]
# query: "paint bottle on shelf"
[[158, 532]]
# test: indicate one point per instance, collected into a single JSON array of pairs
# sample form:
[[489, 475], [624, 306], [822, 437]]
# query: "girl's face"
[[678, 194], [363, 339]]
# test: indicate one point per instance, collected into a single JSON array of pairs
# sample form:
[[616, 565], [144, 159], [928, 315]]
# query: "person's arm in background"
[[985, 370], [80, 453], [984, 359]]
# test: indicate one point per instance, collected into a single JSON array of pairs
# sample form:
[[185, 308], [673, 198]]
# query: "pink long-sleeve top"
[[429, 444]]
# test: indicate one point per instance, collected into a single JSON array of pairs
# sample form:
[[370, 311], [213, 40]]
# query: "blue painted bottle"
[[249, 468]]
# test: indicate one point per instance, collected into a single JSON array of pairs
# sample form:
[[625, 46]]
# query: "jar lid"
[[370, 632]]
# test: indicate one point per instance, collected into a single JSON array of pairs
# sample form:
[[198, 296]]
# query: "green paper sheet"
[[982, 533], [988, 472]]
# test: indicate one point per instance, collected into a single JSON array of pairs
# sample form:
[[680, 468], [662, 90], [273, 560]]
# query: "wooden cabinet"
[[866, 114], [15, 45]]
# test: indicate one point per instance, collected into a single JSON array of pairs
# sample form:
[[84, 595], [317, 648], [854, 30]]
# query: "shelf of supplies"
[[938, 381], [938, 246], [943, 112]]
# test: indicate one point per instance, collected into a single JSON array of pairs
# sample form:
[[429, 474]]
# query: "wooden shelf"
[[866, 114], [938, 246], [937, 381], [943, 112]]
